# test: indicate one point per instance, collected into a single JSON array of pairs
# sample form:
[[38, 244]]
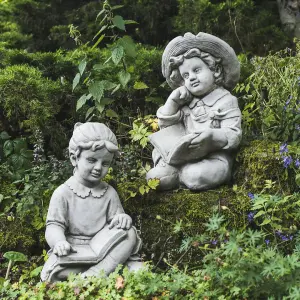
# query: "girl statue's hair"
[[92, 135]]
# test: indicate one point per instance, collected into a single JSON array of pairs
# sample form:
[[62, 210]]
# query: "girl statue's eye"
[[198, 70], [91, 160], [185, 75]]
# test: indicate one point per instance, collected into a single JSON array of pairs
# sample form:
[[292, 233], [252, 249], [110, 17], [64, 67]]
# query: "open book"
[[96, 250], [173, 144]]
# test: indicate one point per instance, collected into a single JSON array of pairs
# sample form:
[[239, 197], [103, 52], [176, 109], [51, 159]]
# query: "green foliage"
[[243, 24], [36, 106], [258, 161], [271, 96]]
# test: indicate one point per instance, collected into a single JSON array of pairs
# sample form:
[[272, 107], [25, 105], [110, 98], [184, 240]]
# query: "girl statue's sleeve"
[[115, 206], [58, 209]]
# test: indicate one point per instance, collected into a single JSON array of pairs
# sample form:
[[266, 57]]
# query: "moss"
[[260, 161], [194, 209]]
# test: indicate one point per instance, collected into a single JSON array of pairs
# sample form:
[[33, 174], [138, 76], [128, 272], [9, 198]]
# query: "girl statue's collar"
[[82, 191]]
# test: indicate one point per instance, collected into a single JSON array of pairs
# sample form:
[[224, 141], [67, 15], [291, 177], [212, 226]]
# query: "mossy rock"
[[192, 209], [259, 161]]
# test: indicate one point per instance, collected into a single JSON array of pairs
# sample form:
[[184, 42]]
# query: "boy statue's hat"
[[206, 43]]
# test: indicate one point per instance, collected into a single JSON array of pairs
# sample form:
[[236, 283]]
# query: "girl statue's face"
[[91, 165], [197, 76]]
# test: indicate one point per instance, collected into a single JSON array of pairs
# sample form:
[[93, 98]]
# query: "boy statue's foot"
[[167, 174]]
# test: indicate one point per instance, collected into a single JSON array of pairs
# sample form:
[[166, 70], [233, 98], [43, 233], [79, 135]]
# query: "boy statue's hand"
[[62, 248], [181, 96], [122, 221]]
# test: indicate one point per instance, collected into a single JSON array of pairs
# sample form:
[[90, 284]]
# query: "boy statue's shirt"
[[219, 110], [83, 211]]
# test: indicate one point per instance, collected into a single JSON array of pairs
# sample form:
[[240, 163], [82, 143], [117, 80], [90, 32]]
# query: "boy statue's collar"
[[82, 191], [211, 98]]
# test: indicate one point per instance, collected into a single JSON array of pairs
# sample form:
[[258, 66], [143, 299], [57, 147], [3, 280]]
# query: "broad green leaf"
[[102, 28], [76, 81], [106, 101], [124, 77], [81, 101], [108, 85], [130, 22], [96, 89], [138, 85], [100, 107], [265, 222], [4, 135], [298, 179], [8, 148], [82, 66], [260, 213], [89, 112], [15, 256], [99, 67], [1, 198], [128, 44], [111, 114], [153, 183], [142, 189], [116, 88], [98, 41], [36, 272], [116, 7], [19, 144], [118, 21], [117, 54]]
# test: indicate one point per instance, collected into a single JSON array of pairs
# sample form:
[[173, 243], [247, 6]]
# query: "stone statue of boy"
[[86, 226], [200, 123]]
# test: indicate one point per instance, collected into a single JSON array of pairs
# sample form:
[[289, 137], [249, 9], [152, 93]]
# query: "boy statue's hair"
[[212, 62], [92, 135]]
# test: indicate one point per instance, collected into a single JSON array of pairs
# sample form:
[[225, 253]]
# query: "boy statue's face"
[[93, 165], [198, 78]]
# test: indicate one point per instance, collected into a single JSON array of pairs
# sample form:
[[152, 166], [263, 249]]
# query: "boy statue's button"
[[211, 114]]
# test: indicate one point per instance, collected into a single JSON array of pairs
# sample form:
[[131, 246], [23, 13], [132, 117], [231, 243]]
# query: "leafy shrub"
[[245, 25], [30, 102], [271, 95]]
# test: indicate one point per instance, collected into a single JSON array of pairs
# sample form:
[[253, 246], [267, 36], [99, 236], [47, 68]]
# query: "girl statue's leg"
[[205, 174], [117, 255]]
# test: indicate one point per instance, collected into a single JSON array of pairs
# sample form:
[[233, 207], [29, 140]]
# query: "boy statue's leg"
[[167, 174], [205, 174], [117, 255]]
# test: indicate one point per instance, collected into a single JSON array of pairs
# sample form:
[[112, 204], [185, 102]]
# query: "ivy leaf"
[[15, 256], [138, 85], [142, 189], [117, 54], [119, 22], [124, 77], [81, 101], [128, 44], [82, 66], [76, 81], [111, 114], [96, 89]]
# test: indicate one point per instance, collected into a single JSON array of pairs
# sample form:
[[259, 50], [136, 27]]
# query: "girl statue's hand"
[[62, 248], [122, 221]]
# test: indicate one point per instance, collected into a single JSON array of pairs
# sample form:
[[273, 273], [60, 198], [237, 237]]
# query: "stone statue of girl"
[[86, 226], [200, 115]]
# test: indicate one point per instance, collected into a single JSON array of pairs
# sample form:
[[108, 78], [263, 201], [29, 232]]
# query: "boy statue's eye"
[[185, 75], [105, 164], [91, 160], [198, 70]]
